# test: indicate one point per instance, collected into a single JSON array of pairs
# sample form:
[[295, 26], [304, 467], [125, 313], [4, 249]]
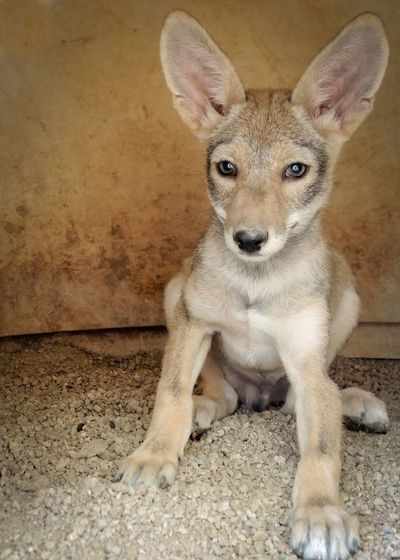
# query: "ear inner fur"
[[338, 88], [202, 80]]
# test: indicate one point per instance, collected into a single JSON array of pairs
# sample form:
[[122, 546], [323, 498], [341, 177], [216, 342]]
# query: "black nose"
[[249, 241]]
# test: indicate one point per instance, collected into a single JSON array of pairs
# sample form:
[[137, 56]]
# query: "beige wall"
[[102, 187]]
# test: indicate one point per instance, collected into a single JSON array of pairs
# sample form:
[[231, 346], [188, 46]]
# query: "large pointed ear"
[[338, 88], [203, 82]]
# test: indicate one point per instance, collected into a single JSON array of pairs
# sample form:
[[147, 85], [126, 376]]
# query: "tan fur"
[[255, 315]]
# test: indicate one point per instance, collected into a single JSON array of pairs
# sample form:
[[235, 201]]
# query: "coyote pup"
[[264, 302]]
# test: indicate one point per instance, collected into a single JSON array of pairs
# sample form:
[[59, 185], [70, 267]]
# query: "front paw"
[[324, 533], [149, 466]]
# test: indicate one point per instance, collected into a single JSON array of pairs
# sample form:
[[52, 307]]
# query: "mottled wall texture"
[[102, 187]]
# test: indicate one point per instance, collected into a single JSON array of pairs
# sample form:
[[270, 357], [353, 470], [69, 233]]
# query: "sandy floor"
[[73, 405]]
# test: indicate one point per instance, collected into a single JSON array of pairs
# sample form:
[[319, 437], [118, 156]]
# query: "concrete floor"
[[73, 405]]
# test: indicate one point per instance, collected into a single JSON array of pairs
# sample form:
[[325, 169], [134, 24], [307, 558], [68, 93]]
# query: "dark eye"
[[295, 170], [226, 168]]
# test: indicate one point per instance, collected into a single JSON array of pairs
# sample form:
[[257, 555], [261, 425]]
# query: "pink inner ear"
[[197, 85], [342, 92], [218, 107]]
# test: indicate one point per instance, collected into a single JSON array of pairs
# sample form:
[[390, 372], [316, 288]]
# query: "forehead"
[[267, 125]]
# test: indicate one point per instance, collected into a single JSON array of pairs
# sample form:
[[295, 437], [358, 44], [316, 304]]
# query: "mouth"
[[254, 257], [271, 247]]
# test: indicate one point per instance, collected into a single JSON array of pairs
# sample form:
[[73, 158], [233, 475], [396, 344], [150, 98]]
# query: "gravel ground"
[[69, 414]]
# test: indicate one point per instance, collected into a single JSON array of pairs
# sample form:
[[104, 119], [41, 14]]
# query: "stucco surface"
[[102, 187]]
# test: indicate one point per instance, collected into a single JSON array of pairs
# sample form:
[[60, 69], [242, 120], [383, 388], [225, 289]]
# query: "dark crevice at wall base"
[[370, 340], [374, 340]]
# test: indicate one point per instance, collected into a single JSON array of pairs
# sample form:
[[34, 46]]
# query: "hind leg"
[[361, 409], [344, 319], [218, 398]]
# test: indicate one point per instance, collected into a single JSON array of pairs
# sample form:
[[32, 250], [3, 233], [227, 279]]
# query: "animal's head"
[[271, 153]]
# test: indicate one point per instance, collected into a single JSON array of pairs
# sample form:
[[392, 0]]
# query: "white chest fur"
[[251, 311], [250, 341], [246, 326]]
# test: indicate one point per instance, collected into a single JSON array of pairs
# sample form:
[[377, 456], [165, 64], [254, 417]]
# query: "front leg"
[[321, 529], [156, 460]]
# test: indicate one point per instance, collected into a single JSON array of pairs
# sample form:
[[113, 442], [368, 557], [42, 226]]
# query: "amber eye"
[[226, 168], [295, 170]]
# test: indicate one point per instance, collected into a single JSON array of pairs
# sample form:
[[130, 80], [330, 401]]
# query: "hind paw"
[[364, 411], [204, 412]]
